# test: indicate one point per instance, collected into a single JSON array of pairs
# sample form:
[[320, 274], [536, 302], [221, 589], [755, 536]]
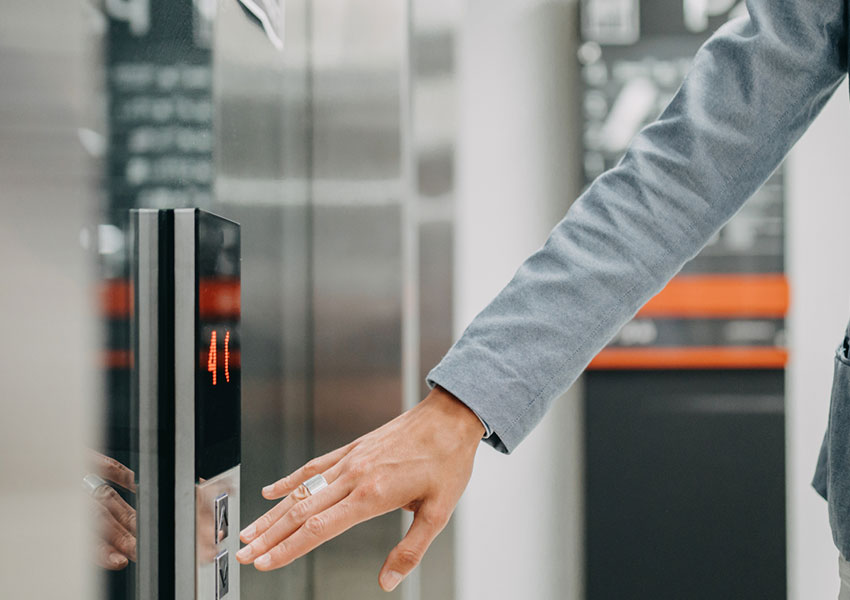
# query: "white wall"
[[818, 244], [519, 523]]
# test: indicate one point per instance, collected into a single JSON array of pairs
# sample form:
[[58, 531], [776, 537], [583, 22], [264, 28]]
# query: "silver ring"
[[92, 483], [315, 484]]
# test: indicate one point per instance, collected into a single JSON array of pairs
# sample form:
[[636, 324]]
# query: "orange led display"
[[212, 359], [227, 356]]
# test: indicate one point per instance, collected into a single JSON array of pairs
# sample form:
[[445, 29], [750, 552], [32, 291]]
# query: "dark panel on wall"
[[685, 485]]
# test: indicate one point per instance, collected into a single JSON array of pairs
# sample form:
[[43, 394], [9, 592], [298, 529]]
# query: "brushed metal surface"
[[262, 149], [145, 270], [208, 548], [359, 58], [315, 157], [184, 403], [433, 33]]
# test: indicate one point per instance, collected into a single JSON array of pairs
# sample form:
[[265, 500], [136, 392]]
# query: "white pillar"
[[818, 244], [519, 524]]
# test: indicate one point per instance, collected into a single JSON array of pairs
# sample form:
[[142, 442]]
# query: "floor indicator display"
[[187, 397]]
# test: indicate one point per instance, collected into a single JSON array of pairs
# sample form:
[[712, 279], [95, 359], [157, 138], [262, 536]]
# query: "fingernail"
[[248, 532], [245, 553], [264, 561], [268, 490], [117, 559], [390, 580]]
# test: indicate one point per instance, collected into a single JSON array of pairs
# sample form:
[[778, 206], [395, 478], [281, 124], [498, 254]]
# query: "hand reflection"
[[115, 519]]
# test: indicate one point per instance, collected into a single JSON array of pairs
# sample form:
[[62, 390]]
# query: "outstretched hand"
[[420, 461]]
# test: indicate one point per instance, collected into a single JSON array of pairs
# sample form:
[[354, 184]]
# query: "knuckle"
[[311, 468], [315, 526], [436, 518], [300, 511], [110, 464], [300, 493], [375, 488], [357, 468], [128, 518], [264, 522], [359, 494], [278, 553], [367, 491], [407, 559], [126, 542], [106, 494]]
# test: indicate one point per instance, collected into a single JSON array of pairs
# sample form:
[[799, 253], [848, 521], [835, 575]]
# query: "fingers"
[[300, 513], [262, 524], [314, 532], [316, 466], [115, 535], [112, 470], [427, 524], [109, 558], [118, 508]]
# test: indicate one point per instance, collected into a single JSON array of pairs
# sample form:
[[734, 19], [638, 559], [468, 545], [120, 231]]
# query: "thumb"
[[427, 524]]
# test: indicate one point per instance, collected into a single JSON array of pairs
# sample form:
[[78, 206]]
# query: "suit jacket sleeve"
[[753, 89]]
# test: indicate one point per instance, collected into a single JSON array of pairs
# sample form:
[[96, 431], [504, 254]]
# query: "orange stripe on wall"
[[116, 359], [718, 296], [709, 357], [219, 298], [116, 298]]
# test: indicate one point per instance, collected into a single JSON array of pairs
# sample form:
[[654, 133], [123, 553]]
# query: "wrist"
[[467, 423]]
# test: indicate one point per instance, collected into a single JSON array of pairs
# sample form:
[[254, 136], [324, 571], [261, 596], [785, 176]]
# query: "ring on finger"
[[93, 484], [315, 484]]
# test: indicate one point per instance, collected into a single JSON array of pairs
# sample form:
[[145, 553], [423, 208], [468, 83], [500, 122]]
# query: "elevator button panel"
[[186, 277]]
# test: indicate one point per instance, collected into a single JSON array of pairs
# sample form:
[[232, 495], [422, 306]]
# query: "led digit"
[[212, 360], [227, 356]]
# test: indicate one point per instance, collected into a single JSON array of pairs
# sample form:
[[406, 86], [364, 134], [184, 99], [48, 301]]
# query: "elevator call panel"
[[186, 280]]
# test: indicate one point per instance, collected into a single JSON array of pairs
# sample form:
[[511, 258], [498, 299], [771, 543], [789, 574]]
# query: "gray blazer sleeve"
[[754, 88]]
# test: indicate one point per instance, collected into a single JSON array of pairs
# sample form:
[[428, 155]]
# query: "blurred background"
[[391, 164]]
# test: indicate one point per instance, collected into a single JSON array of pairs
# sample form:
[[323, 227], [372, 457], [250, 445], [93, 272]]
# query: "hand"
[[116, 519], [420, 461]]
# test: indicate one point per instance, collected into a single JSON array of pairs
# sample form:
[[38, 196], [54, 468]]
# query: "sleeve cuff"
[[439, 376]]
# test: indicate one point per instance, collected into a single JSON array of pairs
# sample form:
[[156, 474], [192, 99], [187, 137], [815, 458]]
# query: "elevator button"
[[222, 518], [222, 575]]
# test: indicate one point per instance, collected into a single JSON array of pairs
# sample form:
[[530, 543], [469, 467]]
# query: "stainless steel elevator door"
[[358, 51], [262, 147]]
